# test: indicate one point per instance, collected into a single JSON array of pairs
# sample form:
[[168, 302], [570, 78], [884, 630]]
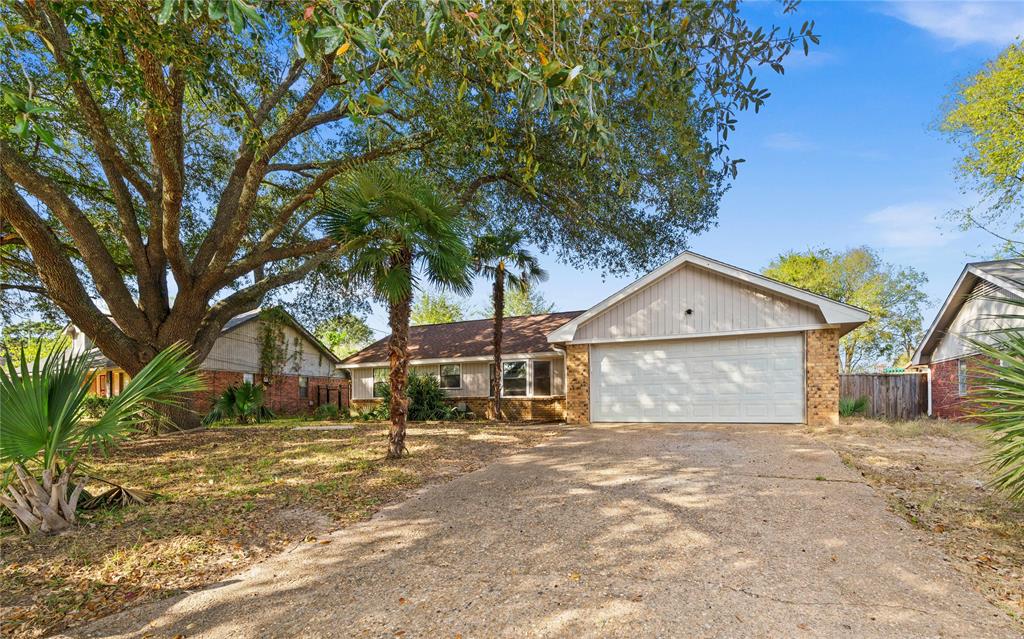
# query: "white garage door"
[[738, 379]]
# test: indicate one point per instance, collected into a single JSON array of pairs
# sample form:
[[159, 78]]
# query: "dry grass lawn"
[[933, 474], [227, 498]]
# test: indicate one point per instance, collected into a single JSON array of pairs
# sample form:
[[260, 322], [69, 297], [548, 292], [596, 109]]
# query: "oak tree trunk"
[[499, 316], [398, 355]]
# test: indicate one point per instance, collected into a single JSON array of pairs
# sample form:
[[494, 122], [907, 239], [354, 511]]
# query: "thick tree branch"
[[94, 252], [236, 204], [114, 165], [474, 186], [164, 125], [250, 262], [58, 275]]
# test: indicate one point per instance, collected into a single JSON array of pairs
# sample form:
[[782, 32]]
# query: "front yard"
[[227, 498], [933, 475]]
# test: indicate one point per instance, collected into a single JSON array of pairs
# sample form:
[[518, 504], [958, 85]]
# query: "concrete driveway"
[[610, 531]]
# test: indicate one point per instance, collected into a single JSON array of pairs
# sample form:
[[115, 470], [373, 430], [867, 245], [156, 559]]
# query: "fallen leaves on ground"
[[227, 498], [934, 476]]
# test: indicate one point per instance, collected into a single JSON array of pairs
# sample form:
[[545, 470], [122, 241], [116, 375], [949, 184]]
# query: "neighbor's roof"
[[471, 338], [1007, 275], [102, 361]]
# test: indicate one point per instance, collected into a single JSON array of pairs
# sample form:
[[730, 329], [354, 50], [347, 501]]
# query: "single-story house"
[[308, 368], [460, 355], [696, 340], [971, 308]]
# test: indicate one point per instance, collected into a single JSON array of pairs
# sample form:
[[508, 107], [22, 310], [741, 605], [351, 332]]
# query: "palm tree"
[[502, 258], [400, 230], [43, 430]]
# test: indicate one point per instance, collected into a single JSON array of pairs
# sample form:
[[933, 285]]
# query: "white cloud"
[[789, 142], [996, 23], [912, 225]]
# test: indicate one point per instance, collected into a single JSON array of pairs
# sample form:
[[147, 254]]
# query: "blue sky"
[[845, 152]]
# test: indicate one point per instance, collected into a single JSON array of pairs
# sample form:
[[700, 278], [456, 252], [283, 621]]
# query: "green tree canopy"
[[858, 276], [526, 301], [31, 337], [197, 138], [344, 334], [985, 116], [436, 308]]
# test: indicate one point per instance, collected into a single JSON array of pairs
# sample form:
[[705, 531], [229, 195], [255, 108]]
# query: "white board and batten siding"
[[239, 350], [719, 305], [737, 356], [475, 378], [978, 314]]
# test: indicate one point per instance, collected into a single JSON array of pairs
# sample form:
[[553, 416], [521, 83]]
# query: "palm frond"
[[996, 402]]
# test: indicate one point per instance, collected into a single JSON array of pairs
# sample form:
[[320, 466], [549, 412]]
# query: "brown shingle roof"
[[472, 338]]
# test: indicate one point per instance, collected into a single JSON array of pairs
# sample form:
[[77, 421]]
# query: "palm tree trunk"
[[398, 354], [499, 316]]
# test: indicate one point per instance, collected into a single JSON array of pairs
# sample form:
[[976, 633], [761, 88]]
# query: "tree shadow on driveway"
[[617, 530]]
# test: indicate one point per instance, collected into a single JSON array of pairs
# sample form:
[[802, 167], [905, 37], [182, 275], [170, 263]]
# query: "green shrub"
[[427, 400], [326, 412], [243, 402], [848, 406], [94, 405]]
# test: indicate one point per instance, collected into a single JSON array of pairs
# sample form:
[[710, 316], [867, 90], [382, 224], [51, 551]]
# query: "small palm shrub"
[[243, 403], [326, 412], [849, 406], [43, 433]]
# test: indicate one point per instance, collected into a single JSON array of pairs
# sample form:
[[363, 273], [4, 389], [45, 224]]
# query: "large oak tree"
[[167, 159]]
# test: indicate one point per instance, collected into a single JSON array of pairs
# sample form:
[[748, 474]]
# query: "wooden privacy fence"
[[899, 396]]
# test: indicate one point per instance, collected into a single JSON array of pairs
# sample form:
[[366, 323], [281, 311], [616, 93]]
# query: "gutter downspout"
[[565, 368], [929, 373]]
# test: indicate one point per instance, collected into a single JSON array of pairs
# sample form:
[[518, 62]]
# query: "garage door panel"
[[747, 379]]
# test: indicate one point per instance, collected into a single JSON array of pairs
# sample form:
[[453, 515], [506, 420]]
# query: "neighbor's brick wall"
[[946, 400], [822, 369], [281, 396], [577, 383]]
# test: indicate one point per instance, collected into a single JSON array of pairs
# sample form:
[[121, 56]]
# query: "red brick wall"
[[946, 400], [281, 395]]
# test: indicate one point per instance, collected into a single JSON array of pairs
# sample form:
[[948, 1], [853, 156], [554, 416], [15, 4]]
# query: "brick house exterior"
[[977, 304], [460, 356], [696, 340], [309, 368]]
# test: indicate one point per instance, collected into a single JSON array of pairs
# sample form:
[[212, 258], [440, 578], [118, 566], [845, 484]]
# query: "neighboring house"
[[460, 355], [972, 307], [307, 367], [696, 340]]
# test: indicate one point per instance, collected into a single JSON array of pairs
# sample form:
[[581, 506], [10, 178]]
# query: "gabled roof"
[[102, 361], [248, 316], [845, 316], [1007, 275], [471, 338]]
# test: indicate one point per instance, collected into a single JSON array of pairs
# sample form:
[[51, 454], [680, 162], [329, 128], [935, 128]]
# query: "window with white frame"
[[248, 378], [514, 379], [380, 381], [961, 377], [303, 387], [450, 376], [541, 377]]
